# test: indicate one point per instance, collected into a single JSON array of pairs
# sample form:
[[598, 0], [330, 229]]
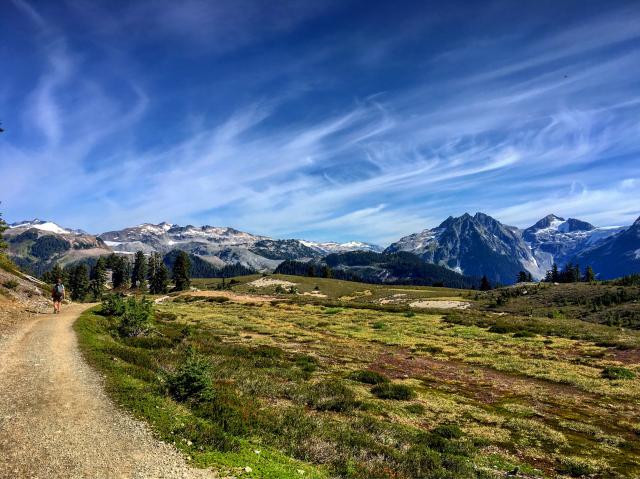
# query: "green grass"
[[343, 387]]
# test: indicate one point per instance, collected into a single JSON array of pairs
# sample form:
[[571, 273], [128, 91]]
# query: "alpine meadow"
[[325, 240]]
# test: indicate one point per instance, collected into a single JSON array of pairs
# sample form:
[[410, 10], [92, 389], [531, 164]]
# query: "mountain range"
[[470, 245]]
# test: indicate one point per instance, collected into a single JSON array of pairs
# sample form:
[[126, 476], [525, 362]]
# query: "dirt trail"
[[56, 421]]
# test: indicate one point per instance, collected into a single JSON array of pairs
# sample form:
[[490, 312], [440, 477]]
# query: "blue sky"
[[331, 120]]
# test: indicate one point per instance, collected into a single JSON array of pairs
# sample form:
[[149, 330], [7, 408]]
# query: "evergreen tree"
[[51, 277], [589, 275], [529, 277], [555, 274], [79, 282], [158, 274], [181, 272], [3, 228], [576, 273], [99, 277], [121, 269], [522, 277], [311, 271], [484, 284], [325, 272], [139, 272]]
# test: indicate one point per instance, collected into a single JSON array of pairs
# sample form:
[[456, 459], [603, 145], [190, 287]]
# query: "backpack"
[[58, 290]]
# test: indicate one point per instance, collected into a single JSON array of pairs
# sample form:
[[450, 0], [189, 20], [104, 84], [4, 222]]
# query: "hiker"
[[58, 295]]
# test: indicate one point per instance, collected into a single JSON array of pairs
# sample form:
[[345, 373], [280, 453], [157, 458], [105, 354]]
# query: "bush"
[[10, 284], [524, 334], [378, 325], [368, 377], [393, 391], [206, 435], [617, 372], [331, 395], [191, 379], [415, 408], [112, 305], [221, 404], [575, 467], [136, 317]]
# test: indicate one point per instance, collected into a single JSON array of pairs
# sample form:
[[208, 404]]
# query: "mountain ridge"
[[471, 245]]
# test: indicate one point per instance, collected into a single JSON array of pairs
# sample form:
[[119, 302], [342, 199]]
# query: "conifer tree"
[[51, 277], [325, 272], [529, 277], [522, 277], [121, 269], [555, 274], [79, 282], [3, 228], [158, 274], [181, 271], [99, 277], [589, 275], [484, 284], [139, 272]]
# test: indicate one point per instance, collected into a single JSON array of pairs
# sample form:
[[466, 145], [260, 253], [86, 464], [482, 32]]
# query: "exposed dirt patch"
[[440, 304], [238, 298], [266, 282], [627, 356]]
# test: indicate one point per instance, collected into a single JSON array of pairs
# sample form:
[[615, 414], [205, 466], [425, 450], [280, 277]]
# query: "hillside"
[[380, 268], [345, 379], [36, 246], [21, 296]]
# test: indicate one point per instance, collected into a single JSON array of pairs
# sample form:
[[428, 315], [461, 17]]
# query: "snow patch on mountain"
[[49, 226], [335, 247]]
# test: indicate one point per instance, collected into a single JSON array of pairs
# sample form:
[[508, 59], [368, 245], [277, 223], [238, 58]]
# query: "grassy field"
[[349, 380]]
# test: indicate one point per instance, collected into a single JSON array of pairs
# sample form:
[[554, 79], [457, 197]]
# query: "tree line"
[[144, 274], [571, 273]]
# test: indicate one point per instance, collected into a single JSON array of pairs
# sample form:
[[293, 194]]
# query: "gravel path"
[[56, 421]]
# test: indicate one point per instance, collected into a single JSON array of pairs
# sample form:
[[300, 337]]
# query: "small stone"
[[256, 451], [247, 469]]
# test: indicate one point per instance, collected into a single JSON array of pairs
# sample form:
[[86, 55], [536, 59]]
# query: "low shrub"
[[331, 395], [575, 467], [217, 299], [136, 318], [415, 408], [112, 305], [190, 379], [379, 325], [308, 364], [617, 372], [10, 284], [524, 334], [368, 377], [398, 392], [208, 436]]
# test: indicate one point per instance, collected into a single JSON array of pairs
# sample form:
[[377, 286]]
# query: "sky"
[[324, 120]]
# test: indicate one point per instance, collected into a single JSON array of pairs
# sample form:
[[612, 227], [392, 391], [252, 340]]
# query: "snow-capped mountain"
[[477, 245], [37, 245], [221, 245], [554, 239], [614, 256], [333, 247], [42, 225], [473, 245]]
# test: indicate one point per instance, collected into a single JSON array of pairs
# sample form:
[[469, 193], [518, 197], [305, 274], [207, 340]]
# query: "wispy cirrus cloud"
[[550, 125]]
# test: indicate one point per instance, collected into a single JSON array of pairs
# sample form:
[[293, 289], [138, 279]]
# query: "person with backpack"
[[58, 295]]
